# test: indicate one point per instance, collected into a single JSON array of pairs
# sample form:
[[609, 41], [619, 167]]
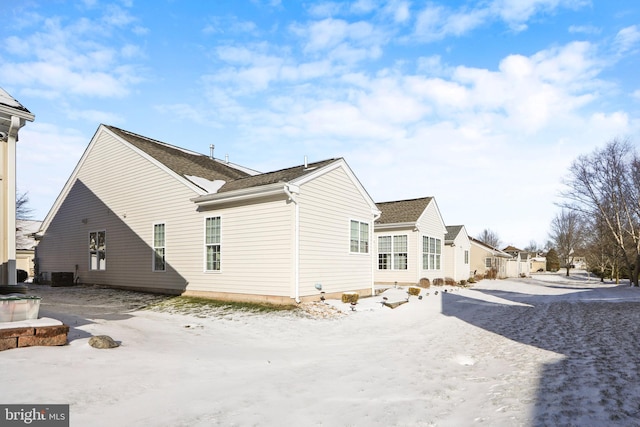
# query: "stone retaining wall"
[[33, 336]]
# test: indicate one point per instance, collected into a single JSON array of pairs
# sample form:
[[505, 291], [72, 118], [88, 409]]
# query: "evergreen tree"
[[553, 261]]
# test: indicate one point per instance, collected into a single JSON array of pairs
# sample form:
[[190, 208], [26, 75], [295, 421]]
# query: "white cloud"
[[400, 10], [61, 59], [436, 22], [627, 39], [584, 29]]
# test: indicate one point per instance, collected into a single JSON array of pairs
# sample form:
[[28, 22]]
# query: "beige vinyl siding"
[[327, 206], [455, 266], [410, 275], [127, 214], [256, 242], [430, 224]]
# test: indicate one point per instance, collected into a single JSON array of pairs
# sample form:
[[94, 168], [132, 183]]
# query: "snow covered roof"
[[25, 229], [10, 101]]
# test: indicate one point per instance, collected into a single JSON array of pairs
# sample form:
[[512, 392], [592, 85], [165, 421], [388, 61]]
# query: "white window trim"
[[105, 250], [392, 259], [204, 244], [435, 254], [369, 236], [153, 247]]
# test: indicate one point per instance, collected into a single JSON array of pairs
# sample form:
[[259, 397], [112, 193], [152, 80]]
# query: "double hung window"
[[159, 247], [98, 250], [392, 252], [359, 237], [212, 243], [431, 253]]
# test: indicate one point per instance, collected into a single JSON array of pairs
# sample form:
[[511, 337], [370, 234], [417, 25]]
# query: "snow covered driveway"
[[547, 351]]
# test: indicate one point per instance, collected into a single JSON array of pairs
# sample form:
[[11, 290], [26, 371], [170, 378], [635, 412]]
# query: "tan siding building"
[[457, 252], [409, 242], [13, 116], [141, 214]]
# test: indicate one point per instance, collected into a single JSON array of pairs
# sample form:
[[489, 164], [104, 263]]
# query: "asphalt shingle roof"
[[452, 232], [283, 175], [402, 211], [187, 163], [182, 162]]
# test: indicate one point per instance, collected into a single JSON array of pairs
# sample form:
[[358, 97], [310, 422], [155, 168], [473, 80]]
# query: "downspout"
[[296, 245], [373, 254], [10, 177]]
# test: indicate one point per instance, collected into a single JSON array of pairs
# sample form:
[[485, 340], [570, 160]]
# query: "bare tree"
[[489, 237], [532, 247], [23, 211], [601, 251], [605, 184], [568, 235]]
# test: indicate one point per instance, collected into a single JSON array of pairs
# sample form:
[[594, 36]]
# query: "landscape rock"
[[102, 341]]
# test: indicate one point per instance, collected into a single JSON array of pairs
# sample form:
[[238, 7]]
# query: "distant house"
[[537, 263], [26, 245], [457, 253], [519, 265], [141, 214], [488, 261], [409, 240]]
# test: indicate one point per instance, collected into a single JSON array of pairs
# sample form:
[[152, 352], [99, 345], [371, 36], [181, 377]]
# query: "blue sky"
[[481, 104]]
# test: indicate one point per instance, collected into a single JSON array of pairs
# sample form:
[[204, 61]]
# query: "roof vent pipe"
[[211, 148], [306, 165], [226, 158]]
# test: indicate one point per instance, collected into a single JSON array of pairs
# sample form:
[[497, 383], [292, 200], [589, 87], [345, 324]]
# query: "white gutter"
[[394, 226], [288, 188], [240, 195]]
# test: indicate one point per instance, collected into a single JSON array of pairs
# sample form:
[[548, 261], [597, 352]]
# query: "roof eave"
[[241, 195], [12, 111], [394, 225]]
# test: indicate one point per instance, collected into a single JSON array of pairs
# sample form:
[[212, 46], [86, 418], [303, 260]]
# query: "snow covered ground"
[[541, 351]]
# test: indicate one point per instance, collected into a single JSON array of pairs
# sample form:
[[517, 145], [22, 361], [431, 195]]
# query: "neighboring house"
[[26, 245], [518, 266], [488, 261], [457, 253], [13, 116], [537, 263], [409, 240], [142, 214]]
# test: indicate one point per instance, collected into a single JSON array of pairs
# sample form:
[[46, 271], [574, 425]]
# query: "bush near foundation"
[[351, 297], [449, 281], [414, 291], [424, 283], [438, 282]]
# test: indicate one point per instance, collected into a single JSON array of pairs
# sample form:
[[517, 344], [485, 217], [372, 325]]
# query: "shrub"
[[413, 291], [449, 281], [463, 282], [438, 282], [351, 297], [424, 283]]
